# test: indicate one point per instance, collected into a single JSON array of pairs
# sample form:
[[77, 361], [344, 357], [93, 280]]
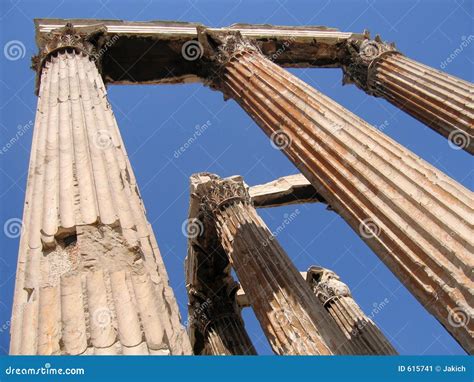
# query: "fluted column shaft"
[[414, 217], [216, 323], [90, 277], [441, 101], [227, 336], [336, 298], [280, 298]]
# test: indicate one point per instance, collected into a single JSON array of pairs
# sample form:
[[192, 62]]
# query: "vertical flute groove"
[[441, 101], [415, 218], [365, 337], [79, 225], [281, 300]]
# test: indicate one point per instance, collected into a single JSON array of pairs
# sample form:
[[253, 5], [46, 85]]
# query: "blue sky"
[[156, 120]]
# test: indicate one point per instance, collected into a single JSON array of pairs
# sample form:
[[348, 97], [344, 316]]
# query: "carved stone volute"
[[362, 56], [326, 284], [219, 48], [84, 40], [223, 192]]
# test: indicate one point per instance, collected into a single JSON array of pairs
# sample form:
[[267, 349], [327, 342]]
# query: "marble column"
[[215, 324], [282, 301], [90, 277], [414, 217], [441, 101], [360, 330]]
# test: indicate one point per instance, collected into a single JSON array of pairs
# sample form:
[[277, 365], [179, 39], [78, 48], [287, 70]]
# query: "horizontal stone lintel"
[[151, 52], [291, 189], [242, 298]]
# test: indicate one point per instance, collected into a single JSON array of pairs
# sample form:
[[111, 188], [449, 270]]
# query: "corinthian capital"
[[83, 39], [80, 39], [222, 45], [219, 193], [362, 57], [219, 47], [326, 284]]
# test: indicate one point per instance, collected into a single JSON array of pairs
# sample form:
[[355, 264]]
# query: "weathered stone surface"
[[215, 324], [361, 58], [282, 301], [441, 101], [90, 277], [414, 217], [360, 330], [169, 52]]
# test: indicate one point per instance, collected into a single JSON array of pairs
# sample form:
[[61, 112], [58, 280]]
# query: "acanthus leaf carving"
[[219, 48], [326, 284], [79, 39], [224, 192], [362, 59]]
